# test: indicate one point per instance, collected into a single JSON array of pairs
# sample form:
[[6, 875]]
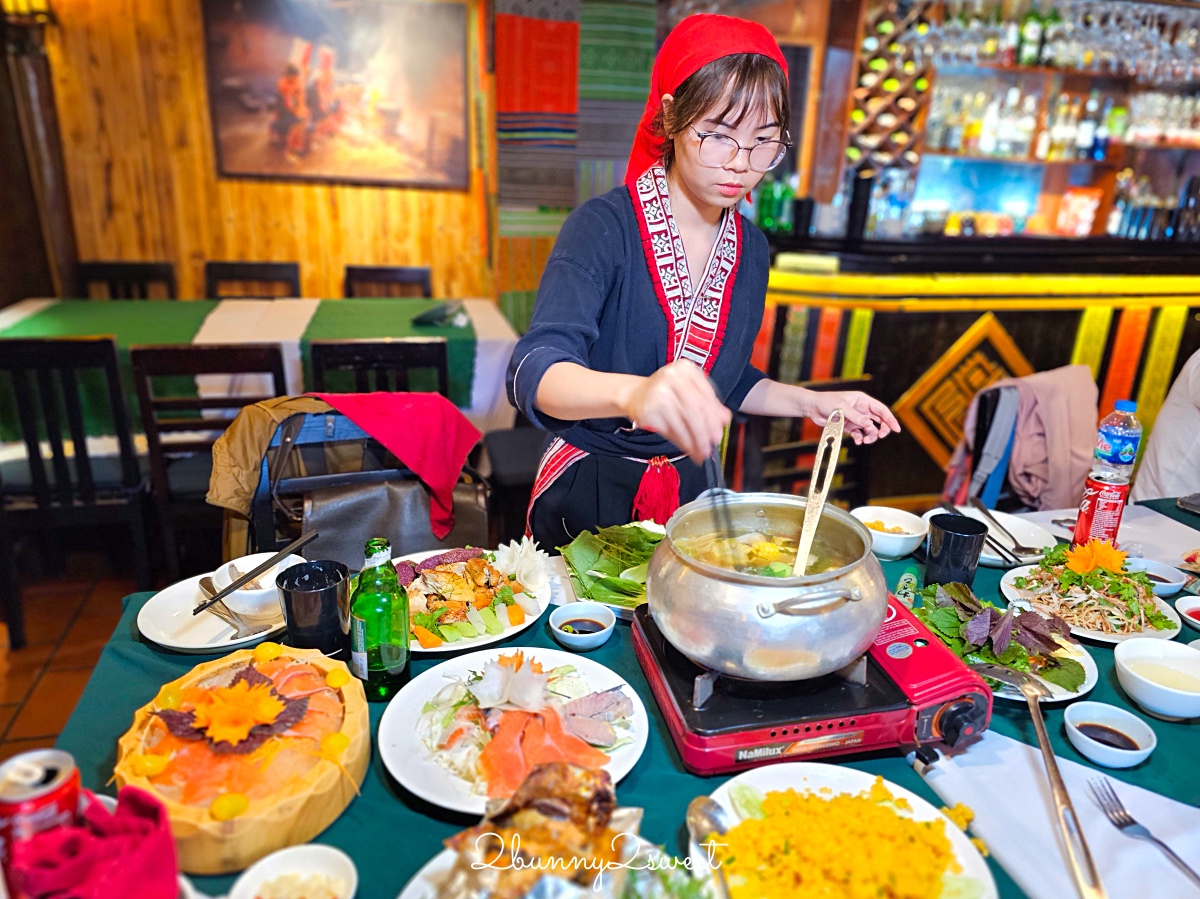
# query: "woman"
[[646, 315]]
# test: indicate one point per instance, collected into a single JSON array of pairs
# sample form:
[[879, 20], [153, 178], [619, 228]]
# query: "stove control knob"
[[960, 720]]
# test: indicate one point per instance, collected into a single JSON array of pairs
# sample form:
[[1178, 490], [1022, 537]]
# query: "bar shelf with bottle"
[[1032, 118]]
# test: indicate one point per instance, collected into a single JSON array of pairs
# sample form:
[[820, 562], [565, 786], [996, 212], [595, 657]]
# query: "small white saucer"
[[167, 619]]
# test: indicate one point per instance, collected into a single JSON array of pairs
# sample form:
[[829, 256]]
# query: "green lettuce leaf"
[[1063, 672]]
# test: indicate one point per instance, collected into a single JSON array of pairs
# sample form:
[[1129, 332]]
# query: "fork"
[[1018, 547], [1110, 803]]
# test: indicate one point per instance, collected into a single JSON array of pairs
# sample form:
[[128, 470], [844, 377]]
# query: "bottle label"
[[358, 647], [1115, 448]]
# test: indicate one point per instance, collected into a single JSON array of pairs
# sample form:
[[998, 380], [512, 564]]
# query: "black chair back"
[[251, 280], [165, 412], [387, 281], [379, 365], [777, 457], [126, 280], [51, 385]]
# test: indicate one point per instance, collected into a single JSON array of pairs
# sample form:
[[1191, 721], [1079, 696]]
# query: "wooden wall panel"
[[130, 89]]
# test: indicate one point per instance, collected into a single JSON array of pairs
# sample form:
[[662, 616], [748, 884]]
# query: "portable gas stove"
[[906, 691]]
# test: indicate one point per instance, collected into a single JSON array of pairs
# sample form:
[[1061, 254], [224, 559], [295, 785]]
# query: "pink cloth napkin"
[[425, 431], [129, 853]]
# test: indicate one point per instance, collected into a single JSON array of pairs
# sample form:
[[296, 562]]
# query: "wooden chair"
[[126, 280], [390, 362], [251, 280], [180, 468], [387, 281], [49, 380], [777, 455], [514, 455]]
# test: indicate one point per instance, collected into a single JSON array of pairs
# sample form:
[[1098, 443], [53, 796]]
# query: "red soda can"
[[1101, 508], [38, 790]]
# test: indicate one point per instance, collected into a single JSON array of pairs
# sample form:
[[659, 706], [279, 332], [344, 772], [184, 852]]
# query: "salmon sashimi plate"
[[496, 724]]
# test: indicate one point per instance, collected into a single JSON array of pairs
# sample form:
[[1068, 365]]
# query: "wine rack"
[[893, 86]]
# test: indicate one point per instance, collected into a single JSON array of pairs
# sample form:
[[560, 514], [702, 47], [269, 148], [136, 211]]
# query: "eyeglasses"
[[717, 150]]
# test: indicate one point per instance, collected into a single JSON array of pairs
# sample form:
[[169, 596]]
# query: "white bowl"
[[1118, 719], [1185, 605], [579, 642], [1173, 578], [311, 858], [261, 604], [893, 546], [1161, 701]]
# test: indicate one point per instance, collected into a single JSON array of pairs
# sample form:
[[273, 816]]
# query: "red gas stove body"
[[916, 691]]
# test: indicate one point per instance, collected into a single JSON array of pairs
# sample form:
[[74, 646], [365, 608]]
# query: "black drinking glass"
[[316, 606], [955, 542]]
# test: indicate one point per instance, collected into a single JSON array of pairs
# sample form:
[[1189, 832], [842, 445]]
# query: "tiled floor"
[[68, 621]]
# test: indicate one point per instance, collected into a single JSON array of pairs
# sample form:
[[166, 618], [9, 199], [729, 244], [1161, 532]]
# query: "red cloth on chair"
[[128, 854], [425, 431]]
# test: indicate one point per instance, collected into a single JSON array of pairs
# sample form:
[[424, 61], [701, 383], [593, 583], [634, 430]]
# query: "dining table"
[[479, 343], [391, 833]]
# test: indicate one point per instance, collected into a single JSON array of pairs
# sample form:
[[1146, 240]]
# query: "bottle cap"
[[1126, 406]]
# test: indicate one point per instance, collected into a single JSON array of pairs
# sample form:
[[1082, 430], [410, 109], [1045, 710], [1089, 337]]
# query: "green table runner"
[[391, 834], [373, 318], [132, 322]]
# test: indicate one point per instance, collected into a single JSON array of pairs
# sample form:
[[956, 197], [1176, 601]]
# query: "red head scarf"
[[693, 44]]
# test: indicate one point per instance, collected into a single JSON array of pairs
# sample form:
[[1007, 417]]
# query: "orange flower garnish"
[[516, 660], [1095, 554], [229, 713]]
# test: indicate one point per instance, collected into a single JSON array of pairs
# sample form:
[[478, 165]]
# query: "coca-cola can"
[[1101, 508], [38, 790]]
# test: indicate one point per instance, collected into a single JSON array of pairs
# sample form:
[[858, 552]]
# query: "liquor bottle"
[[1032, 28], [379, 625], [1026, 125], [1085, 133], [1010, 34], [956, 129], [1052, 26], [1058, 128], [1100, 144], [1008, 136], [974, 123], [989, 129]]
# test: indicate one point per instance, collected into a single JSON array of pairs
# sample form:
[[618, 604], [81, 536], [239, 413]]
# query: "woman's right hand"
[[678, 402]]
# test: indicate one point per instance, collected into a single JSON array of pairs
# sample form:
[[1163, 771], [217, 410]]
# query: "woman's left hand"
[[867, 419]]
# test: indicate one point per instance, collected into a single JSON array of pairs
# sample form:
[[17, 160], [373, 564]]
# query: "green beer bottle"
[[379, 625]]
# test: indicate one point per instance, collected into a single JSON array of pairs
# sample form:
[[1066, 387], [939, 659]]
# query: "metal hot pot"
[[764, 628]]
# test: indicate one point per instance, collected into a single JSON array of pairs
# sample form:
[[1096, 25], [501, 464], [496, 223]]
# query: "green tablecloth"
[[134, 322], [390, 834]]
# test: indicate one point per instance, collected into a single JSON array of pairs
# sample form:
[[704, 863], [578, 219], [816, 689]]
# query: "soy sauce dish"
[[1109, 736], [580, 626]]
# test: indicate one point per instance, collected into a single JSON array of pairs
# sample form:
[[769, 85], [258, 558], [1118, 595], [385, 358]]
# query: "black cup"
[[955, 542], [316, 606]]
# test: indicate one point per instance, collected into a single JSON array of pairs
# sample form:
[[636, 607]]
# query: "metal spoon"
[[242, 628], [705, 817], [828, 450], [1018, 546]]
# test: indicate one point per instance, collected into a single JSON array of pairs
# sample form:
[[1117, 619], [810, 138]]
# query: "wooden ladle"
[[828, 451]]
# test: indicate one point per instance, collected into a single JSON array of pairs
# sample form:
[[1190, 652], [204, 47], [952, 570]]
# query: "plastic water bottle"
[[1117, 442]]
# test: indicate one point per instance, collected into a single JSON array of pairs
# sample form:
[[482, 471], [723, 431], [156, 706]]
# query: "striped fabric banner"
[[791, 350], [1126, 354], [594, 177], [616, 50], [607, 128], [517, 306], [536, 129], [1092, 337], [858, 334], [525, 222], [537, 176], [1160, 363]]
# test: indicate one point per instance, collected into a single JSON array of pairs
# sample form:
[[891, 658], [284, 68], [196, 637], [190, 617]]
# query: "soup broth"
[[758, 552]]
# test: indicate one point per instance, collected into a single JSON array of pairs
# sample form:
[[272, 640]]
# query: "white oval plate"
[[1057, 694], [426, 883], [1027, 532], [1013, 596], [407, 759], [809, 777], [167, 619], [479, 642]]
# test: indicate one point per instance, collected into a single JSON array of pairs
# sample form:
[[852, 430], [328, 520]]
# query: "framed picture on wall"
[[355, 91]]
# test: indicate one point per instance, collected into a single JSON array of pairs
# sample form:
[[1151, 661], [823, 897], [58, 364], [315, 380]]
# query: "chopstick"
[[302, 540], [720, 496], [997, 547]]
